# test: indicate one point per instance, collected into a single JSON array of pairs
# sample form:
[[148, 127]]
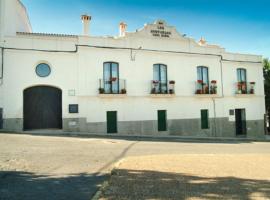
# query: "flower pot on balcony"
[[101, 90], [123, 91], [198, 91], [113, 79], [153, 91], [171, 91], [171, 82], [200, 81]]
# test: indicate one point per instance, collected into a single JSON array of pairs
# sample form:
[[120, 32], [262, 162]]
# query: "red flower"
[[113, 78], [199, 81]]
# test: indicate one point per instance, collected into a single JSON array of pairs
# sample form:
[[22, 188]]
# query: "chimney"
[[202, 41], [122, 29], [86, 23]]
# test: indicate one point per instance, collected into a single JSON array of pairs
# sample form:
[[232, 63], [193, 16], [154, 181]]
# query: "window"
[[242, 80], [160, 76], [203, 79], [73, 108], [111, 77], [241, 75], [43, 70], [162, 120], [204, 119]]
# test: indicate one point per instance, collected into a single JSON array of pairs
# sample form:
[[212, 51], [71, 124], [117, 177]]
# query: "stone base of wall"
[[220, 127], [13, 124]]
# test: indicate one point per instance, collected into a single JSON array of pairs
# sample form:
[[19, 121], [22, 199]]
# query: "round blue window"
[[43, 70]]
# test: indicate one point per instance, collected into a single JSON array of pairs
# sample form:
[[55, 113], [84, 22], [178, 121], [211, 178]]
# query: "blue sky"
[[238, 25]]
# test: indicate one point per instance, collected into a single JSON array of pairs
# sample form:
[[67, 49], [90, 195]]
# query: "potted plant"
[[153, 90], [113, 79], [199, 91], [123, 91], [101, 90], [239, 88], [252, 84], [171, 91], [200, 81], [155, 82], [171, 82], [213, 87], [243, 87]]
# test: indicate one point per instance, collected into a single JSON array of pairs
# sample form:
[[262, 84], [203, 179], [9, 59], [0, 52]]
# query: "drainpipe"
[[2, 66], [215, 117]]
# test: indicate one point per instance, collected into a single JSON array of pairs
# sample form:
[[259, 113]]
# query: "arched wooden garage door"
[[42, 108]]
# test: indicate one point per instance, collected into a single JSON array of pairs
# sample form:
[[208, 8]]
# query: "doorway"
[[42, 108], [112, 122], [240, 122]]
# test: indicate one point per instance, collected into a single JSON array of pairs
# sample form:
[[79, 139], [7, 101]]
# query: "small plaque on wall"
[[73, 108], [231, 112], [71, 92]]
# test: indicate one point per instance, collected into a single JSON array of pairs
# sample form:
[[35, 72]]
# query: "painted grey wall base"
[[255, 129], [13, 124], [220, 127]]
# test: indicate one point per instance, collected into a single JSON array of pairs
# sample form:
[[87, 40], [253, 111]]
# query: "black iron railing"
[[112, 86]]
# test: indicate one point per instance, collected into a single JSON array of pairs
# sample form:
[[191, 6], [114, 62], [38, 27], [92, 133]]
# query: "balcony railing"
[[112, 86], [162, 87], [245, 88], [205, 88]]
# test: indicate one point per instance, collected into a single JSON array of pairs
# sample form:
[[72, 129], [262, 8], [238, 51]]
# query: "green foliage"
[[266, 73]]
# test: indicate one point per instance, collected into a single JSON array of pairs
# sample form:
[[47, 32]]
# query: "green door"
[[162, 120], [112, 122], [204, 119]]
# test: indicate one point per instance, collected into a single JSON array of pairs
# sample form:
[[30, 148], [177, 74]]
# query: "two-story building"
[[154, 81]]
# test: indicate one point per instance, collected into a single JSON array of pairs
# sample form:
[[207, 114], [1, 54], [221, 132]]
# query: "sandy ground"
[[189, 177]]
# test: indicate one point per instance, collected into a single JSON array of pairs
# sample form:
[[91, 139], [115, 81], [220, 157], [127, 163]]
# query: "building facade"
[[154, 81]]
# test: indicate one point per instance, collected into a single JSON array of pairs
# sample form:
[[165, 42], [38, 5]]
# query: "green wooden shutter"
[[204, 119], [162, 120], [112, 122]]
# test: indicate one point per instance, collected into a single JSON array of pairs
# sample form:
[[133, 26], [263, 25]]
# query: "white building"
[[153, 81]]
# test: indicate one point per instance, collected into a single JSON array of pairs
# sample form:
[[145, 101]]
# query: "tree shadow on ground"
[[133, 184], [16, 185]]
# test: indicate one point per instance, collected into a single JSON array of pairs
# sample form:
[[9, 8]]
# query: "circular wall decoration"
[[43, 70]]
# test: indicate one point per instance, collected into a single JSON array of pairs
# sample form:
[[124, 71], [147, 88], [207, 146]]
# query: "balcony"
[[245, 88], [205, 89], [112, 87], [162, 88]]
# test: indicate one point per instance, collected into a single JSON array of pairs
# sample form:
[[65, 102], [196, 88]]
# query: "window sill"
[[112, 95], [244, 95], [207, 95], [162, 95]]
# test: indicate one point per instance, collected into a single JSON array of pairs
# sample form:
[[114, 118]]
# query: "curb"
[[137, 137], [97, 195]]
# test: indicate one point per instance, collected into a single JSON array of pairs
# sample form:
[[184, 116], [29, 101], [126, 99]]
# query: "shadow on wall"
[[15, 185], [132, 184]]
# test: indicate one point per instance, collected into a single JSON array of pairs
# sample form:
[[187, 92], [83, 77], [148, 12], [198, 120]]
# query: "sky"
[[241, 26]]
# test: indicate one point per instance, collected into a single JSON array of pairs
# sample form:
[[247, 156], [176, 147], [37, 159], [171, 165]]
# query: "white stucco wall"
[[81, 70], [14, 18]]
